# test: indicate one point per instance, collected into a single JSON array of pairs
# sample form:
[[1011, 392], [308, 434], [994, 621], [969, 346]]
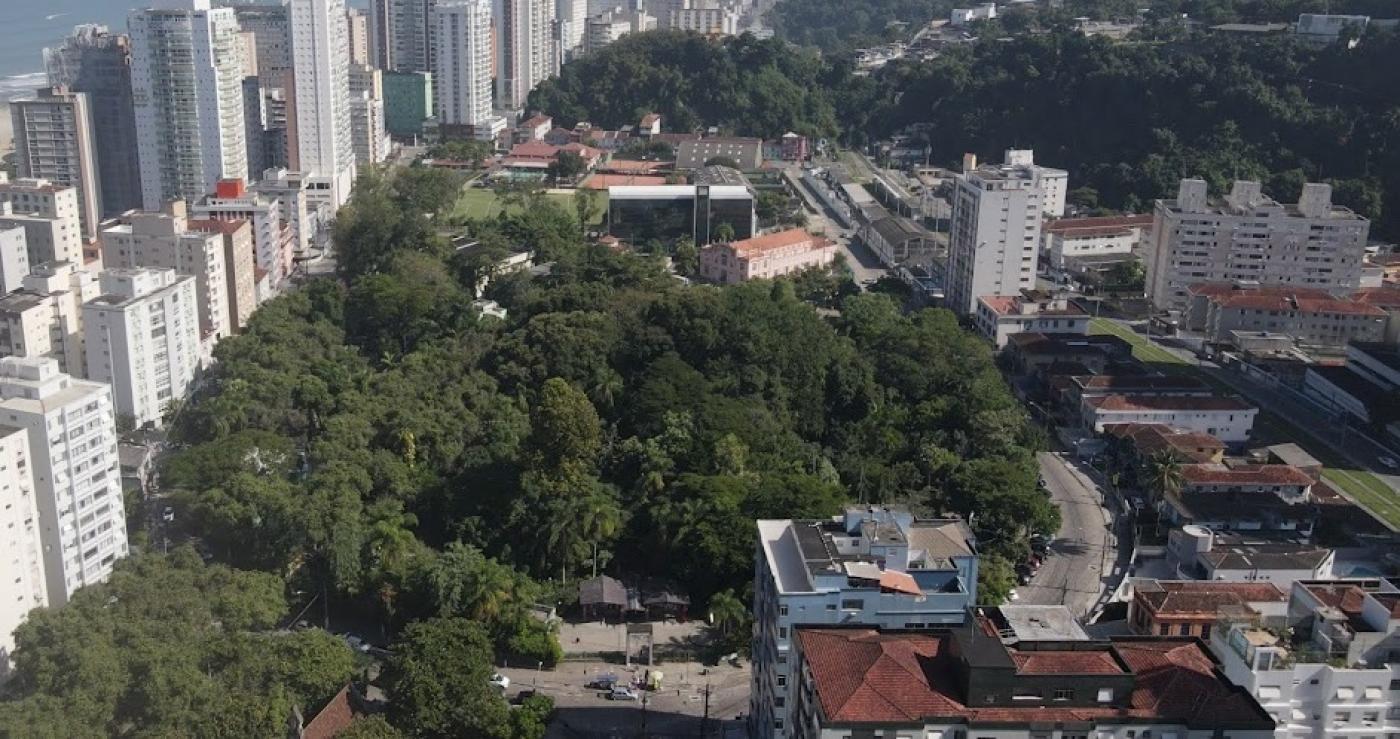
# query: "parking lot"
[[675, 710]]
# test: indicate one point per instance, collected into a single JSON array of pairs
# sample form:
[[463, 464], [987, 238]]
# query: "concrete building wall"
[[54, 141], [22, 589], [462, 69]]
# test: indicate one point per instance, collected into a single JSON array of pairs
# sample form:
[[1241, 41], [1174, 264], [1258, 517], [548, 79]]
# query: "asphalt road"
[[1084, 548], [865, 266]]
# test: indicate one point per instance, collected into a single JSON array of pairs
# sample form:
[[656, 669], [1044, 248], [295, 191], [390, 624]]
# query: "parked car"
[[1389, 462], [500, 681], [602, 682], [356, 643], [620, 693]]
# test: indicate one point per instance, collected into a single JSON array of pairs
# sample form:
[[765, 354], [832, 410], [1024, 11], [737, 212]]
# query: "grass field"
[[482, 202], [1359, 485]]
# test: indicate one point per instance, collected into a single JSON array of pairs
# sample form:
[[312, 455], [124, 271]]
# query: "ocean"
[[26, 27]]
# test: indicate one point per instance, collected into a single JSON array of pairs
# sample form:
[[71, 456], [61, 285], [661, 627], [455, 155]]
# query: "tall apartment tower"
[[1053, 183], [573, 23], [357, 31], [165, 240], [187, 85], [870, 566], [97, 63], [319, 135], [525, 53], [462, 70], [22, 589], [54, 141], [994, 236], [142, 338], [240, 270], [77, 477], [50, 216], [400, 34], [1248, 237], [272, 35], [368, 127]]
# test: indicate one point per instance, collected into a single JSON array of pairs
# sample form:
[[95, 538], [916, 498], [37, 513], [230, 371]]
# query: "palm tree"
[[726, 611], [724, 233], [599, 519], [1162, 477]]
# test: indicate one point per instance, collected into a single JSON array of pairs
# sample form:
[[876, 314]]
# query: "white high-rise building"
[[14, 259], [320, 141], [1054, 183], [142, 337], [77, 476], [44, 317], [462, 69], [22, 588], [573, 24], [995, 234], [49, 215], [187, 86], [708, 17], [54, 141], [525, 53], [1247, 237], [165, 240]]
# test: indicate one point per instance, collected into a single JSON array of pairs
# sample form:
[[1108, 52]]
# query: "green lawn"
[[1359, 485], [482, 202]]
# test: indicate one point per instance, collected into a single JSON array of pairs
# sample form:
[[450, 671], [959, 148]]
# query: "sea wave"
[[21, 85]]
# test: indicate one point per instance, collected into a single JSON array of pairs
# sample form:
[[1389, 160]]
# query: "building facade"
[[1248, 237], [994, 234], [999, 316], [408, 101], [97, 63], [240, 266], [1067, 239], [77, 481], [142, 339], [1309, 316], [399, 35], [1229, 419], [54, 141], [44, 318], [765, 257], [462, 70], [871, 566], [50, 216], [638, 214], [319, 136], [187, 72], [525, 54], [164, 240], [23, 588]]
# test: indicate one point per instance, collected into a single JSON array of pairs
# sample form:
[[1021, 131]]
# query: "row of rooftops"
[[985, 674], [1252, 296]]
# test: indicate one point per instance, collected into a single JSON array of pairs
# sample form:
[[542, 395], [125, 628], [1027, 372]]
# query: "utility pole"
[[705, 718]]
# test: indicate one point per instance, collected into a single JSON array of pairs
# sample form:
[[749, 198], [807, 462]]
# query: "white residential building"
[[871, 566], [1329, 668], [275, 240], [999, 316], [1066, 239], [462, 66], [1054, 183], [22, 589], [1248, 237], [14, 259], [320, 140], [525, 53], [164, 240], [50, 216], [708, 17], [142, 337], [994, 234], [187, 73], [357, 31], [368, 131], [44, 318], [77, 478], [1229, 419], [573, 23], [303, 203], [54, 141]]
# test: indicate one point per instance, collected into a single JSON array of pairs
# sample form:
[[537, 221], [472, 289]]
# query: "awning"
[[899, 582]]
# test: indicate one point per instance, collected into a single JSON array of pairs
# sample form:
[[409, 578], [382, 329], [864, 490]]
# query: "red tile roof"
[[1168, 403], [1275, 300], [865, 676], [1221, 289], [1066, 663], [333, 719], [778, 240], [1204, 598], [999, 304], [1385, 297], [1097, 226], [1247, 474]]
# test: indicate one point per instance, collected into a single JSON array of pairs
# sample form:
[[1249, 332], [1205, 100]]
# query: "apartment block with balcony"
[[878, 566], [1309, 316], [77, 477], [1329, 668], [1247, 236], [55, 141], [1000, 316], [44, 317], [22, 589], [50, 216]]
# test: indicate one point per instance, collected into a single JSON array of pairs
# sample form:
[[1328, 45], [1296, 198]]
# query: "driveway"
[[1084, 554]]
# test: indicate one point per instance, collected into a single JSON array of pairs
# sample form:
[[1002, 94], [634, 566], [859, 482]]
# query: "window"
[[852, 604], [1164, 629], [782, 610], [782, 681], [1184, 630], [1026, 695], [782, 632], [1064, 694], [1105, 695], [1341, 717]]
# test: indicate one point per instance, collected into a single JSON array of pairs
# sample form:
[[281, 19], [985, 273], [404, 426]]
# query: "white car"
[[1389, 462], [500, 681], [1013, 596]]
